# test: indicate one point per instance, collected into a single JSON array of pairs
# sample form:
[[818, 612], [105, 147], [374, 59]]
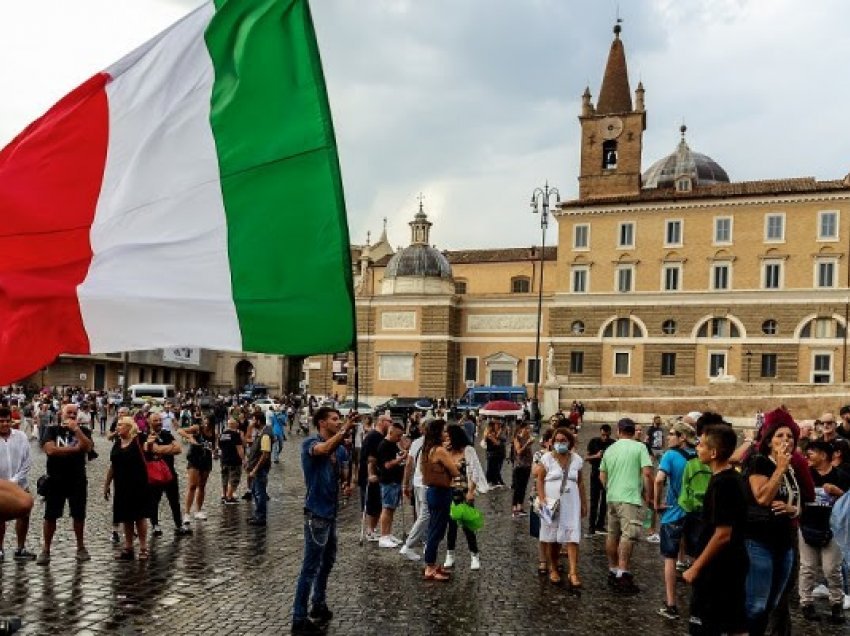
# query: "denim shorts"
[[390, 496], [671, 537]]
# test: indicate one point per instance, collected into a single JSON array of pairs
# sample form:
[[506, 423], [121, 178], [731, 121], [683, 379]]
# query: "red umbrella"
[[501, 408]]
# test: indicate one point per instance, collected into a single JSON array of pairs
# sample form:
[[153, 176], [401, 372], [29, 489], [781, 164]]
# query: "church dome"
[[418, 260], [702, 169]]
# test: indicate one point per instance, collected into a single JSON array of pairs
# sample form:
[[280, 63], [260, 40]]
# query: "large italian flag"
[[189, 195]]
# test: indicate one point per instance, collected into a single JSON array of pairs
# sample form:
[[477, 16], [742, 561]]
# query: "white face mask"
[[562, 447]]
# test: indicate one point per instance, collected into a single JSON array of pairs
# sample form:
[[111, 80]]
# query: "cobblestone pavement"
[[231, 578]]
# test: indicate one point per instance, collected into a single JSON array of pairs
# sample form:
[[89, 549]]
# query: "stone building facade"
[[672, 287]]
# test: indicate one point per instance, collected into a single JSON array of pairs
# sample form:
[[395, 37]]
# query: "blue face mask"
[[562, 448]]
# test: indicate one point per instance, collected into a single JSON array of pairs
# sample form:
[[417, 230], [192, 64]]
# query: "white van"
[[156, 393]]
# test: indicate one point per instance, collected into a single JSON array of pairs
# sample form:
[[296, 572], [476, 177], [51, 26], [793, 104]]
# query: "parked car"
[[346, 406], [265, 403], [402, 407]]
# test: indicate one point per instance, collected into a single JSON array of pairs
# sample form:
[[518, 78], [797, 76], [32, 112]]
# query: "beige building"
[[673, 287]]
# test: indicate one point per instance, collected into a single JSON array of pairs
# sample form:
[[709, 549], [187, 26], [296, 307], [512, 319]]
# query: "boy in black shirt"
[[719, 574], [390, 459], [598, 506]]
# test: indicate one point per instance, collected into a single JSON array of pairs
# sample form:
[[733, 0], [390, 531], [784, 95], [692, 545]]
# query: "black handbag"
[[816, 537], [42, 486]]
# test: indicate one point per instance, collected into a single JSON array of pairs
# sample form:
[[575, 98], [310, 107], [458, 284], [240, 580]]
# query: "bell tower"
[[612, 132]]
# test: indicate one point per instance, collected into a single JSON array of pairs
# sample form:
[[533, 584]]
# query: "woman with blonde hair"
[[131, 504]]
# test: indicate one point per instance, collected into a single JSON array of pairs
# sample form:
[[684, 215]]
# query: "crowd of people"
[[744, 523]]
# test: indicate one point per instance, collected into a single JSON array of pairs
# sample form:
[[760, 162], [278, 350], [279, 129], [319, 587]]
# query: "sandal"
[[542, 570], [575, 582], [436, 575], [554, 577], [125, 555], [144, 554]]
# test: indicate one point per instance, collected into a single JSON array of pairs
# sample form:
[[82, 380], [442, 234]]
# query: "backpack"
[[694, 484], [840, 524]]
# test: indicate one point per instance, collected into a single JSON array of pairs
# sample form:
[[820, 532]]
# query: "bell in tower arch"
[[609, 155]]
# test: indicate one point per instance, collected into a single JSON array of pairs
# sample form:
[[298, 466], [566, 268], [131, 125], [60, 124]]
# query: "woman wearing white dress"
[[558, 477]]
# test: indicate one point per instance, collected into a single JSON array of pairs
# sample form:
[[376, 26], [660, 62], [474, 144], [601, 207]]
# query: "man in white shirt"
[[15, 462], [168, 418]]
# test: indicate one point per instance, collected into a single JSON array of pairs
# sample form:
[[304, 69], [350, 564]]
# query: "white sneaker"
[[409, 553], [450, 559], [397, 541], [476, 562], [653, 538], [820, 591], [387, 542], [847, 601], [200, 515]]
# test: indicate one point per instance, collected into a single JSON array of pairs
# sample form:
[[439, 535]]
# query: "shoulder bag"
[[159, 474]]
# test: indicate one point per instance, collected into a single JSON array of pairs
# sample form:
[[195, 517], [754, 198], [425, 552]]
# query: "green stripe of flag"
[[287, 231]]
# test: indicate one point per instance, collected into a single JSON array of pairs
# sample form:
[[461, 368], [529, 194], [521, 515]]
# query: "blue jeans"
[[277, 447], [259, 493], [439, 503], [769, 572], [319, 559]]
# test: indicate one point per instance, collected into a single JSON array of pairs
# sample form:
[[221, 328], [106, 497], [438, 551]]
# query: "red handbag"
[[159, 474]]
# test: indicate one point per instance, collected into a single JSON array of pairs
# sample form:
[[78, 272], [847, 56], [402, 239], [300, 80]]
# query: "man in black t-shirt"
[[67, 446], [367, 476], [719, 574], [596, 447], [232, 450], [390, 473], [160, 444]]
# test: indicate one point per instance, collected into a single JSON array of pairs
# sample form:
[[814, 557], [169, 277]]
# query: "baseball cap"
[[685, 430], [693, 416]]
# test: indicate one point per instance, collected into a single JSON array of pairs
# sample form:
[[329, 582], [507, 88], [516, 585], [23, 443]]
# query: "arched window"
[[622, 328], [460, 287], [769, 327], [609, 155], [577, 327], [822, 327], [718, 328], [520, 285], [668, 327]]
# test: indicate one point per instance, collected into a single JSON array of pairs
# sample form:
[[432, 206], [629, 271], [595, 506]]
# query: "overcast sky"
[[474, 102]]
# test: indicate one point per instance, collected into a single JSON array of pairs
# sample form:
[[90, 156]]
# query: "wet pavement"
[[231, 578]]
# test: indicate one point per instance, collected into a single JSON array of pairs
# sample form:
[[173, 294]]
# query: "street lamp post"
[[540, 201]]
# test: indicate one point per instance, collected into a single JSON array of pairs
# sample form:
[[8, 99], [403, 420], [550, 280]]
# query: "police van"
[[477, 396]]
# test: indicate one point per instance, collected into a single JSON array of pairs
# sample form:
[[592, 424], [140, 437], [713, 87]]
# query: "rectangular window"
[[716, 364], [577, 362], [720, 275], [627, 235], [460, 287], [470, 369], [825, 273], [143, 376], [621, 362], [581, 237], [673, 233], [533, 370], [827, 225], [772, 275], [672, 277], [768, 365], [822, 368], [723, 230], [624, 279], [774, 227], [154, 376], [579, 283], [668, 364]]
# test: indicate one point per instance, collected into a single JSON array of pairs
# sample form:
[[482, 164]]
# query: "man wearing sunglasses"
[[66, 447]]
